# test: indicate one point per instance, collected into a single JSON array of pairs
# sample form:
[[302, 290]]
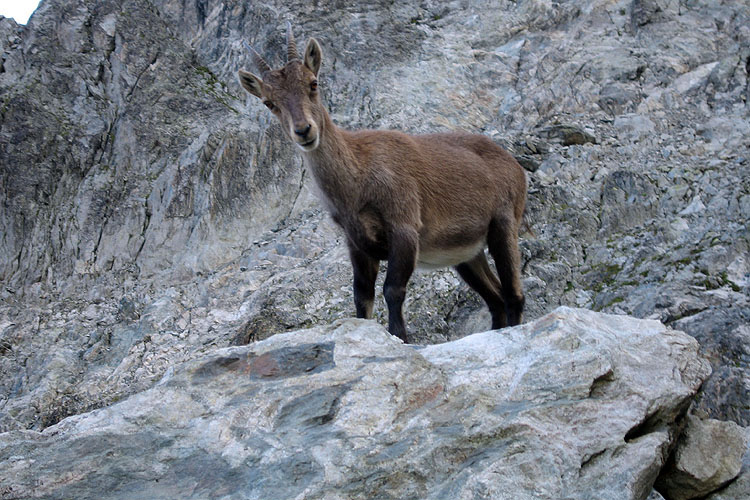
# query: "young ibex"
[[430, 200]]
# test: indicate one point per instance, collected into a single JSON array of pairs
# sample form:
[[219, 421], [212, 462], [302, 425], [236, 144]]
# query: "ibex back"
[[430, 200]]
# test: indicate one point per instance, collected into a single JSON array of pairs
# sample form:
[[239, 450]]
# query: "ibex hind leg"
[[478, 275], [502, 240]]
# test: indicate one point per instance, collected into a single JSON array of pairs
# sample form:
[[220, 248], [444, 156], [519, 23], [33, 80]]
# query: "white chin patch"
[[309, 146]]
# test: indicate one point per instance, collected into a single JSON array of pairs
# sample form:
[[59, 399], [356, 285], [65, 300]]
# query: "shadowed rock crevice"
[[655, 422], [600, 385]]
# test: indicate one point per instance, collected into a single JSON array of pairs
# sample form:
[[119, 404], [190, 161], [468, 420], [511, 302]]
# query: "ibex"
[[432, 200]]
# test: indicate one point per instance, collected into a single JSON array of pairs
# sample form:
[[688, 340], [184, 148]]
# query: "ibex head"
[[291, 93]]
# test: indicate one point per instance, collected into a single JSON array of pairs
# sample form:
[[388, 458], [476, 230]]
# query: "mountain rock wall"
[[153, 212]]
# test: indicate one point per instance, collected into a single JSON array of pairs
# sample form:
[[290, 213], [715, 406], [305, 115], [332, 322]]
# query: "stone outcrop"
[[575, 404]]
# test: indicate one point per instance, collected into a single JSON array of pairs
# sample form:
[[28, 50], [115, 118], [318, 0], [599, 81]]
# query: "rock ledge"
[[575, 404]]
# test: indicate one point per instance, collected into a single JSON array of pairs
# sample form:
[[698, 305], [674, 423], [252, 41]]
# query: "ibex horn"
[[291, 45], [260, 63]]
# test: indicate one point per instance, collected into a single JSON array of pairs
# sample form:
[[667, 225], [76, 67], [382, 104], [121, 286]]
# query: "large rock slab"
[[576, 404]]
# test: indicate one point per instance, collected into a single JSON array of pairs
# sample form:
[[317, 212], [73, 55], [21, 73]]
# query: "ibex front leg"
[[365, 273], [403, 244]]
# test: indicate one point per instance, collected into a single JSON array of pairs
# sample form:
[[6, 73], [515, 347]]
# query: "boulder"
[[739, 489], [708, 456], [576, 404]]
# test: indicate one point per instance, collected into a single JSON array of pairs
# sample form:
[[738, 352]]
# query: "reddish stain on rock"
[[423, 396], [264, 366]]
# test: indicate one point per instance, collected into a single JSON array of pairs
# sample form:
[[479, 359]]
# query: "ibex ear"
[[251, 83], [313, 56]]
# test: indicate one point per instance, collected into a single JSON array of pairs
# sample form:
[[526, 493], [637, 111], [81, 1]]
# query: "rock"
[[695, 206], [693, 79], [708, 456], [528, 162], [740, 487], [627, 200], [643, 12], [567, 135], [575, 404], [725, 394], [634, 126], [655, 495], [617, 98], [528, 152]]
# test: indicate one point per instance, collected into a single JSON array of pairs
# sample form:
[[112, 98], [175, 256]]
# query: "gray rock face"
[[151, 213], [708, 457], [576, 405]]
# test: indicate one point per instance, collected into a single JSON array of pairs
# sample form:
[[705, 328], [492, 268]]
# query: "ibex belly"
[[435, 258]]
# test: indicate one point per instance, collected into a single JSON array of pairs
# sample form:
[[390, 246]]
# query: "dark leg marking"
[[402, 256], [365, 273], [478, 275], [502, 240]]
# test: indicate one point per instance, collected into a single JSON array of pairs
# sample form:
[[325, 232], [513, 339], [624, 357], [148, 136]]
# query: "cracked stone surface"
[[576, 404]]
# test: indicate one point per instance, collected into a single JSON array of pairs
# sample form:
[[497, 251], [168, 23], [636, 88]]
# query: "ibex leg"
[[402, 257], [365, 273], [502, 240], [478, 275]]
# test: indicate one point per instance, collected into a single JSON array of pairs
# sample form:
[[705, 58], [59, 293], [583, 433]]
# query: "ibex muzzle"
[[430, 200]]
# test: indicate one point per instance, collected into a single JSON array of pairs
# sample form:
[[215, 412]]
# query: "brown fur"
[[435, 200]]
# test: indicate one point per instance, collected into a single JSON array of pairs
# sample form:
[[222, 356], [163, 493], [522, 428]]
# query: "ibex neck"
[[334, 165]]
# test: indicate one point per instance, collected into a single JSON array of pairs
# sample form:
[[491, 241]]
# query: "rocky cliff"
[[151, 213]]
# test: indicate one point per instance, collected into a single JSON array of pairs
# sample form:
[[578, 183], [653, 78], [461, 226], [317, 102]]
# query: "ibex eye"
[[314, 85], [269, 105]]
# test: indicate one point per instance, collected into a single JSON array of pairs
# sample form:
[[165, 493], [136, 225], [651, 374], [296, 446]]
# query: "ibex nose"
[[302, 130]]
